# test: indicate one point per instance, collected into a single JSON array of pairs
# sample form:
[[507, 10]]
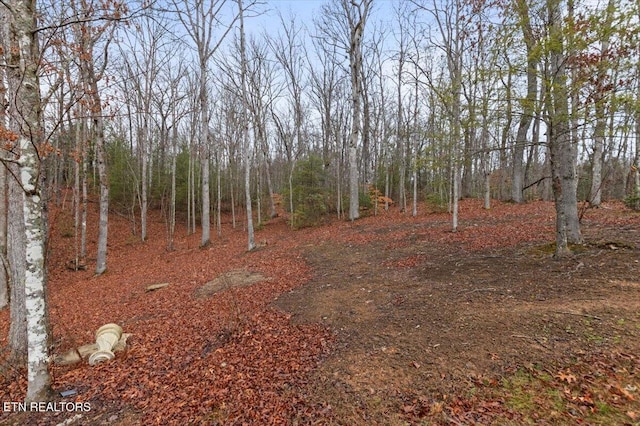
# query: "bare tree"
[[404, 23], [201, 19], [451, 23], [262, 89], [4, 136], [357, 14], [24, 59], [143, 57], [289, 53], [636, 162], [89, 38], [528, 104], [343, 24], [562, 153], [251, 244]]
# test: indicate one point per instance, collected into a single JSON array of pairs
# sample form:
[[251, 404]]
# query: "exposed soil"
[[388, 320], [229, 280], [419, 321]]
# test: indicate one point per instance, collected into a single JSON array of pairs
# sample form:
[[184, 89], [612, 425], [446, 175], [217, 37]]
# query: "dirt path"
[[425, 329]]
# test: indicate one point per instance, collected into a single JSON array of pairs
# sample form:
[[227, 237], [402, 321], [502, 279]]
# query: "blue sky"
[[305, 10]]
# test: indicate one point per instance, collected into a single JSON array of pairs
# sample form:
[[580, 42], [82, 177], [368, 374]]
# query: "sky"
[[305, 11]]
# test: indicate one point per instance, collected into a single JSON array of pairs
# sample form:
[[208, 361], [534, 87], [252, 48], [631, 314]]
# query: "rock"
[[154, 287]]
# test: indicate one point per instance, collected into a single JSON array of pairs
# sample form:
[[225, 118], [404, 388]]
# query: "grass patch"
[[586, 392]]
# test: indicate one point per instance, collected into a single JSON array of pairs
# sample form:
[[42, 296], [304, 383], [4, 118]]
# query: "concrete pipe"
[[106, 338]]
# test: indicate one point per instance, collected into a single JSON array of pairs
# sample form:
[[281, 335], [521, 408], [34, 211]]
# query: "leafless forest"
[[219, 118]]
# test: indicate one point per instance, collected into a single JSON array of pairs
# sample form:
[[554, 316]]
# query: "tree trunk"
[[84, 200], [4, 123], [103, 228], [90, 81], [570, 173], [455, 196], [595, 197], [4, 264], [251, 244], [174, 158], [355, 65], [636, 172], [204, 137], [400, 141], [219, 203], [16, 252], [561, 150], [30, 199], [354, 200], [528, 104], [144, 202]]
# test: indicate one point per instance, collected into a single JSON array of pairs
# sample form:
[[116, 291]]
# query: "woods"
[[219, 108]]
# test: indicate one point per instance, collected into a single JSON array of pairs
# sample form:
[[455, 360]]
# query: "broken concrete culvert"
[[109, 339]]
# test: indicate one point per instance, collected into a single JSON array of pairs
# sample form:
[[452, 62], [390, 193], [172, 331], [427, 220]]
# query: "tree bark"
[[4, 124], [251, 244], [562, 153], [528, 106], [4, 264], [103, 227], [30, 138], [595, 195], [16, 252], [355, 65], [205, 239], [86, 38]]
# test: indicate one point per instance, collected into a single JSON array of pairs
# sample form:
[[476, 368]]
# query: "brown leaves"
[[8, 137], [230, 358], [566, 377]]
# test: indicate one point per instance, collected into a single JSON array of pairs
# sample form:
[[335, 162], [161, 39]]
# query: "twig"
[[522, 336], [578, 314], [477, 289]]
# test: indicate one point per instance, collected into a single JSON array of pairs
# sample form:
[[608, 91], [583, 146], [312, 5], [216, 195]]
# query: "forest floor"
[[388, 320]]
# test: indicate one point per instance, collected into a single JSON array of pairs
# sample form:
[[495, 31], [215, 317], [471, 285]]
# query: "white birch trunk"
[[4, 264], [24, 25], [15, 257], [103, 226], [39, 381]]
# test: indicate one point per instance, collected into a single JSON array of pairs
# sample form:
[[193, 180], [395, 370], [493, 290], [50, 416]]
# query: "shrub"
[[633, 202], [309, 192]]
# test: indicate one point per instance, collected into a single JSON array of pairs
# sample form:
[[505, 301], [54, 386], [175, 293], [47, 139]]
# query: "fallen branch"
[[578, 314], [522, 336], [477, 289]]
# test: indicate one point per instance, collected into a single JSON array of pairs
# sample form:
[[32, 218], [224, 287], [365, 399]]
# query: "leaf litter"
[[387, 320]]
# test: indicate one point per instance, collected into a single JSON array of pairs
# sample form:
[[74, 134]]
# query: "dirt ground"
[[440, 333]]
